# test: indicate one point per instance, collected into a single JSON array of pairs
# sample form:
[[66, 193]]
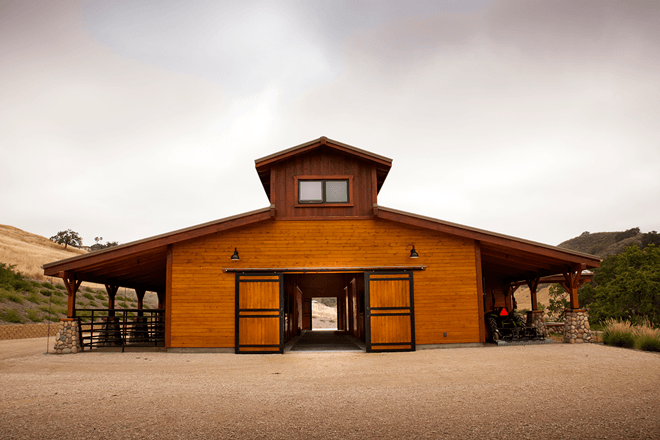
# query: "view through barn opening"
[[324, 314]]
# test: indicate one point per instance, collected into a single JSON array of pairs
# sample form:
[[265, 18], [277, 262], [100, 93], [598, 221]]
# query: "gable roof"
[[264, 164]]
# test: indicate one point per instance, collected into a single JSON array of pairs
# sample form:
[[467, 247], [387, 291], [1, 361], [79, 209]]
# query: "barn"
[[245, 283]]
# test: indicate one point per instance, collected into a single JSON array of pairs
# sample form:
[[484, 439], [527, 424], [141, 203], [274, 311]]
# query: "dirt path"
[[556, 391], [17, 348]]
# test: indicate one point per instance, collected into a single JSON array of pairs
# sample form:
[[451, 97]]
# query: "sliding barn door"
[[259, 313], [389, 311]]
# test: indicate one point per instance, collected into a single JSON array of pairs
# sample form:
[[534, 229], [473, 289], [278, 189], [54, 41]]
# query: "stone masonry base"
[[535, 319], [67, 339], [576, 327]]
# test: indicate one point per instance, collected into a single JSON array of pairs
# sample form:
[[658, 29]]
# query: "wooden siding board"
[[445, 293]]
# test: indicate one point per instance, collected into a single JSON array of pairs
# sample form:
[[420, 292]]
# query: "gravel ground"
[[555, 391]]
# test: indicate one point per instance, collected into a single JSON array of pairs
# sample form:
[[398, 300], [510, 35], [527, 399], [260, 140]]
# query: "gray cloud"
[[534, 119]]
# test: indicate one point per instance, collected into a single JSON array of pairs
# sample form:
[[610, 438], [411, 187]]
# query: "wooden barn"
[[245, 283]]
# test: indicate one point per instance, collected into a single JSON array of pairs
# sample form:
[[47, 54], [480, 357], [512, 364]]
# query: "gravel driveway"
[[556, 391]]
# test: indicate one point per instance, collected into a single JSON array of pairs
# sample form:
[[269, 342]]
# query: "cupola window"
[[323, 191]]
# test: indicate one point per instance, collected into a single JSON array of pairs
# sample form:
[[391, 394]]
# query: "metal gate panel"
[[390, 316], [259, 313]]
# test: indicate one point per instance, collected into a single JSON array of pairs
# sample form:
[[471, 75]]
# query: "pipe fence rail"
[[121, 328]]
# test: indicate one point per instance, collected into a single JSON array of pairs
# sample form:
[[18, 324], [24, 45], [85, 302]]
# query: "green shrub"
[[22, 286], [88, 289], [35, 298], [46, 292], [80, 303], [58, 293], [89, 296], [47, 285], [11, 296], [123, 305], [105, 304], [11, 315], [52, 318], [100, 295], [649, 343], [122, 298], [57, 301], [47, 310], [33, 316], [618, 339], [92, 304], [59, 286]]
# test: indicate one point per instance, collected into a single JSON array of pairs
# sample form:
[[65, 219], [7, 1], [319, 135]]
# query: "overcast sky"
[[127, 119]]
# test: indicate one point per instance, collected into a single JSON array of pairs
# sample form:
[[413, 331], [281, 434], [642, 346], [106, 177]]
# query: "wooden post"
[[533, 284], [480, 291], [140, 297], [168, 299], [71, 287], [572, 283], [508, 297], [112, 292]]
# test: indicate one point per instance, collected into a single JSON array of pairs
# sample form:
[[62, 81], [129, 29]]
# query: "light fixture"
[[413, 253], [235, 255]]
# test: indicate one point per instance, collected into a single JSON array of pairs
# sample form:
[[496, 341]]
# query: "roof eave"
[[483, 235], [53, 269]]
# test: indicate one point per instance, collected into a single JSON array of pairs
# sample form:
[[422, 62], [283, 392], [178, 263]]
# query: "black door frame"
[[255, 313], [372, 347]]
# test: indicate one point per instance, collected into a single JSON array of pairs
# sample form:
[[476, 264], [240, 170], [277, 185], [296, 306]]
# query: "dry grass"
[[28, 252], [614, 325], [524, 299], [645, 329]]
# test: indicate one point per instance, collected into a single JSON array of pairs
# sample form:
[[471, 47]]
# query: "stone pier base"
[[576, 327], [535, 319], [67, 339]]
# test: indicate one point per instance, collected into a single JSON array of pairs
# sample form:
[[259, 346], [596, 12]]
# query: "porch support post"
[[481, 292], [533, 284], [576, 320], [572, 283], [72, 286], [508, 296], [112, 334], [535, 317], [168, 299], [112, 292], [140, 299]]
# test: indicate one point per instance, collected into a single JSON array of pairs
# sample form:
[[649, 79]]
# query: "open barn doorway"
[[324, 311]]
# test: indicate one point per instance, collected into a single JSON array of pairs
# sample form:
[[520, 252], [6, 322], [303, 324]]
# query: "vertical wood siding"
[[321, 163], [203, 298]]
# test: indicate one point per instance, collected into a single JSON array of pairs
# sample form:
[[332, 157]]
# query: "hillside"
[[28, 252], [30, 297], [603, 244]]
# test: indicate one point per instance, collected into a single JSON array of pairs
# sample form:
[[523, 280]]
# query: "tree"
[[626, 234], [650, 238], [558, 299], [67, 237], [99, 246], [627, 286]]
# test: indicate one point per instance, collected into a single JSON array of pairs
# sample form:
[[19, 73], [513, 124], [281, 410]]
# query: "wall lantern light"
[[235, 255], [413, 253]]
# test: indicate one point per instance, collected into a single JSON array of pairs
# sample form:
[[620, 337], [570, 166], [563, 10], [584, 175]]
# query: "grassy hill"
[[28, 252], [26, 296], [603, 244]]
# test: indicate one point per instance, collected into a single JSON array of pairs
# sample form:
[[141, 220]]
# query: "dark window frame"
[[323, 179]]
